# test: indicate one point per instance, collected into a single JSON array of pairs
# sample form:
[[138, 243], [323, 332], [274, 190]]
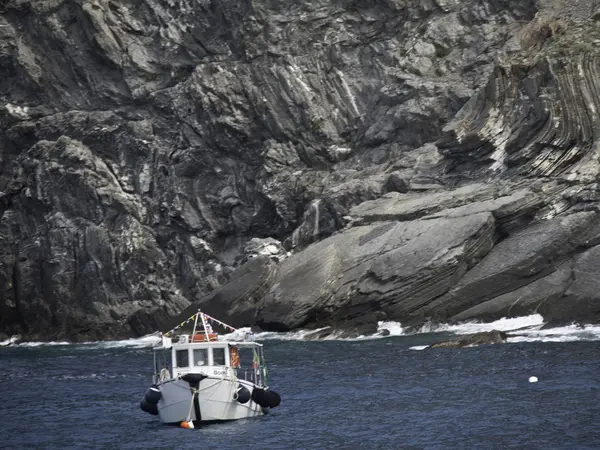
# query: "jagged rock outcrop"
[[401, 149], [473, 340], [569, 293], [520, 259], [450, 264], [340, 332], [268, 247], [238, 299], [535, 120], [396, 266]]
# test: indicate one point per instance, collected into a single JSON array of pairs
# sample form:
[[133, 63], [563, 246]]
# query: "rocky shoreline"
[[285, 165]]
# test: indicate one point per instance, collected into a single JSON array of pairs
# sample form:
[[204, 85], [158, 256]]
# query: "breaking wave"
[[10, 341], [297, 335], [149, 340], [519, 329], [514, 323], [568, 333], [419, 347], [15, 341]]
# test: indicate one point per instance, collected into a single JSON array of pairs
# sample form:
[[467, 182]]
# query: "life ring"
[[235, 357]]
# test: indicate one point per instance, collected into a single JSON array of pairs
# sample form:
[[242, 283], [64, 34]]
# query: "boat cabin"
[[203, 353], [208, 358]]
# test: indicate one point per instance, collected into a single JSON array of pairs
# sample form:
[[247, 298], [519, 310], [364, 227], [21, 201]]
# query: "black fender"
[[149, 408], [266, 398], [152, 395], [193, 378], [242, 394]]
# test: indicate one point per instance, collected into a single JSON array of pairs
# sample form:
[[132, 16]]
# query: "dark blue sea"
[[366, 394]]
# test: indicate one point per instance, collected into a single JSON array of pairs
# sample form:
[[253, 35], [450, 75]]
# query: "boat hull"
[[214, 401]]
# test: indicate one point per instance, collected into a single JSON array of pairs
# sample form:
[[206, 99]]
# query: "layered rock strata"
[[420, 160]]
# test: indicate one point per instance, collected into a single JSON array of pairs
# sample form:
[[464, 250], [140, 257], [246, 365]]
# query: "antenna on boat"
[[196, 322], [203, 325]]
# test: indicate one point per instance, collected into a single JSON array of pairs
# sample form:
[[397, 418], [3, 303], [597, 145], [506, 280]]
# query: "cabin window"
[[218, 356], [182, 358], [200, 357]]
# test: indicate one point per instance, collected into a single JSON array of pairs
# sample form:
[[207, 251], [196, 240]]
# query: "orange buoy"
[[189, 424]]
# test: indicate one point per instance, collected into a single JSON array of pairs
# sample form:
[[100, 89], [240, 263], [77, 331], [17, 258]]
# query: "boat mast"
[[204, 325], [195, 324]]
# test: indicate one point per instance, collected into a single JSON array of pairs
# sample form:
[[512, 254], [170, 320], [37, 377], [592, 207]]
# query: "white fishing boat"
[[200, 377]]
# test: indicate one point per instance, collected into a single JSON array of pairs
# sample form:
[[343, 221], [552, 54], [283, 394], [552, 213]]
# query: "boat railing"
[[251, 375], [197, 337]]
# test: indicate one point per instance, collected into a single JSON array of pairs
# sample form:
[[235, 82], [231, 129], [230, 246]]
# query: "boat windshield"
[[182, 358], [162, 358], [218, 356], [249, 364], [200, 357]]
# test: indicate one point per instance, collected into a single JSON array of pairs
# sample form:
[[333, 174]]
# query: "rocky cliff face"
[[421, 160]]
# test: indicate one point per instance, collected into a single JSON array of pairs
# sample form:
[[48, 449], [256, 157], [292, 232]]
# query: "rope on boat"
[[188, 422], [189, 416], [205, 317], [212, 319]]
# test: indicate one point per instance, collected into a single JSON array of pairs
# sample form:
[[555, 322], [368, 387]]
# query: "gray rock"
[[394, 267], [517, 261], [320, 220], [236, 301], [268, 247], [530, 128], [145, 143], [535, 297], [512, 209], [473, 340], [580, 301], [352, 332], [569, 294]]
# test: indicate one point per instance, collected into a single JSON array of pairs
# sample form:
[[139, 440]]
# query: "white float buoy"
[[533, 379]]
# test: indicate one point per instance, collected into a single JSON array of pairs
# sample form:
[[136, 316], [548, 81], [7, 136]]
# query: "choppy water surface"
[[373, 393]]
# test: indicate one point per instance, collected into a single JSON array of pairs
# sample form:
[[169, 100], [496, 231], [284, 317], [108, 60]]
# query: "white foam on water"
[[297, 335], [337, 336], [419, 347], [149, 340], [395, 328], [10, 341], [39, 344], [14, 342], [241, 334], [513, 323], [91, 376], [569, 333], [520, 329]]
